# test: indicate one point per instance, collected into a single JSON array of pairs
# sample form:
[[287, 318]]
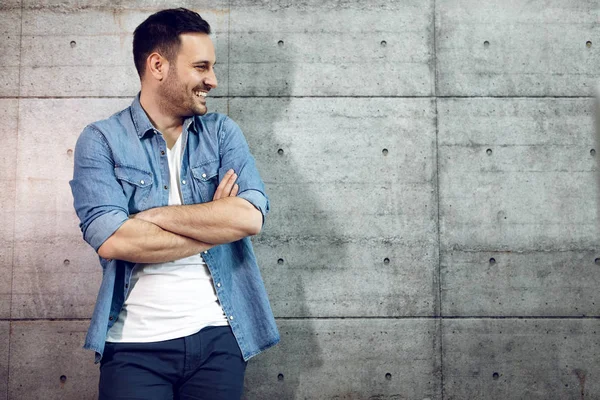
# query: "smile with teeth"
[[200, 93]]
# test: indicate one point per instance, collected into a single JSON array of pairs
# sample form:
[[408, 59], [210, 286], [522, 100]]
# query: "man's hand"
[[227, 187]]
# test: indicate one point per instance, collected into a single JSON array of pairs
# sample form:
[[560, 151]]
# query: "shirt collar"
[[142, 122]]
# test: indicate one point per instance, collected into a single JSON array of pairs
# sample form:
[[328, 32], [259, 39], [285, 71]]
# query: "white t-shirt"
[[168, 300]]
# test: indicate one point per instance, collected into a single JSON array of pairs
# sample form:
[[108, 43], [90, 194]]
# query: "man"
[[168, 196]]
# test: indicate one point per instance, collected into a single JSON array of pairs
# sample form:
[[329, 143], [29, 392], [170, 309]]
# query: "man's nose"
[[211, 79]]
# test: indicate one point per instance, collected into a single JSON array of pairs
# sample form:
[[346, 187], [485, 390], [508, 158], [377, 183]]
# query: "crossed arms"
[[168, 233]]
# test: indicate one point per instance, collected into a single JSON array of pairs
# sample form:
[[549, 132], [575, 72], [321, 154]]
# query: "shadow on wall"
[[286, 370]]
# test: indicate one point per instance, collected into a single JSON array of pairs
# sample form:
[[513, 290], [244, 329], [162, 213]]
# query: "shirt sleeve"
[[235, 154], [98, 198]]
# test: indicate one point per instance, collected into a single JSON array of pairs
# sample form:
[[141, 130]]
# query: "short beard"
[[173, 97]]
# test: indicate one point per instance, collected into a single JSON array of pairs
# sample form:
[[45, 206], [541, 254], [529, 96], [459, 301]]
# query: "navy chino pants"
[[207, 365]]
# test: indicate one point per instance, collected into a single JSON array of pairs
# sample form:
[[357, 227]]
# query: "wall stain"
[[581, 374]]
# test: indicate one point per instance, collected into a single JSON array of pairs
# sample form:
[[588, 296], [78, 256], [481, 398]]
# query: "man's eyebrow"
[[202, 62]]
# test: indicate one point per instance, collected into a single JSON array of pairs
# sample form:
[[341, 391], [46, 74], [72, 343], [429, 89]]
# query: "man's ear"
[[158, 66]]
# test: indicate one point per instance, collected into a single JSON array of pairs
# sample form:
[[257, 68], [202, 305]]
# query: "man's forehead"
[[196, 51]]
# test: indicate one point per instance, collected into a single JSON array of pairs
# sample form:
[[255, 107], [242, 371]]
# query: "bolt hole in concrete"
[[496, 376], [386, 260], [280, 377], [597, 261], [66, 262], [280, 261], [489, 152], [593, 152], [280, 43], [63, 378], [384, 152], [588, 44], [486, 44], [383, 43], [73, 43], [280, 152], [492, 261], [69, 152], [388, 376]]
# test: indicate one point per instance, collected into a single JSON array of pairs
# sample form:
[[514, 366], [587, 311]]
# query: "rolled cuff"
[[103, 227], [258, 200]]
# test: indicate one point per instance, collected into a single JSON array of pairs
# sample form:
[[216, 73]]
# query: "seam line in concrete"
[[437, 183], [228, 52], [465, 317], [449, 317], [315, 97]]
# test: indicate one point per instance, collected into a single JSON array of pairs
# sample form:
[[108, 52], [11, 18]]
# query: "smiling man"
[[168, 196]]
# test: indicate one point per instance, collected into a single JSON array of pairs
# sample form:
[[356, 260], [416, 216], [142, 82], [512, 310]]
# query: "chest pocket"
[[136, 186], [206, 179]]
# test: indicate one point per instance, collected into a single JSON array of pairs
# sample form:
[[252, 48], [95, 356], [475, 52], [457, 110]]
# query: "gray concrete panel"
[[514, 173], [47, 361], [331, 170], [362, 278], [8, 166], [340, 140], [521, 359], [49, 129], [10, 34], [4, 339], [349, 359], [56, 279], [535, 48], [553, 283], [331, 48], [86, 49]]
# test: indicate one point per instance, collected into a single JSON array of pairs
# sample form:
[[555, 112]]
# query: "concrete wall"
[[432, 171]]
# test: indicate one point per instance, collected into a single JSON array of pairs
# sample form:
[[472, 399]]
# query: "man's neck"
[[168, 125]]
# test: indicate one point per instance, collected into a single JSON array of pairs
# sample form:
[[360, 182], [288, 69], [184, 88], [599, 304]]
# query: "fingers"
[[222, 184], [227, 185]]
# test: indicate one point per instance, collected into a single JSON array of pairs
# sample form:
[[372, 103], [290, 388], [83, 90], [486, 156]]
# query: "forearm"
[[221, 221], [143, 242]]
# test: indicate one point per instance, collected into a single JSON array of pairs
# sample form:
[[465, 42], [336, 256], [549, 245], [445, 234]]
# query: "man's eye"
[[201, 67]]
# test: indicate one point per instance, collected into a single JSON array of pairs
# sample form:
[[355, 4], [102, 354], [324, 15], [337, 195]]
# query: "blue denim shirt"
[[121, 169]]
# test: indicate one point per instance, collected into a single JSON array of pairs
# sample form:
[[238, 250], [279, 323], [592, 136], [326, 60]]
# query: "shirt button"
[[231, 317], [204, 175], [126, 285], [162, 152], [219, 284], [110, 318], [142, 182], [183, 181], [166, 187], [205, 252]]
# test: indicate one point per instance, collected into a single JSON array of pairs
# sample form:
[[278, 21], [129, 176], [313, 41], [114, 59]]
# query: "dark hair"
[[160, 32]]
